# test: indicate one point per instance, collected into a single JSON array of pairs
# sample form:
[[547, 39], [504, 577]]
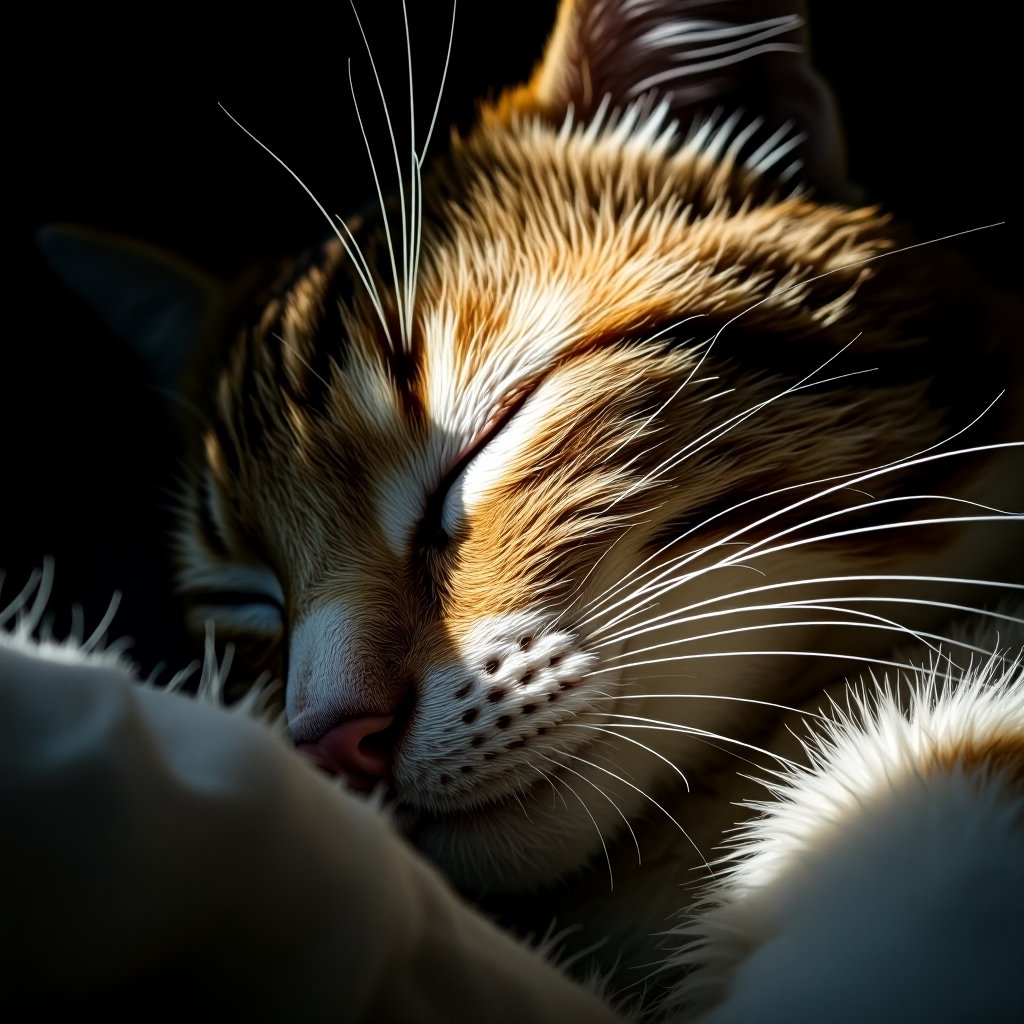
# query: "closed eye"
[[238, 598], [439, 519]]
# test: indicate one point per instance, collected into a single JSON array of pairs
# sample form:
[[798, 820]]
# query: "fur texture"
[[610, 446]]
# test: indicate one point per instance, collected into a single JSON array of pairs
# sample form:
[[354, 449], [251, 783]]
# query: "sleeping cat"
[[591, 464]]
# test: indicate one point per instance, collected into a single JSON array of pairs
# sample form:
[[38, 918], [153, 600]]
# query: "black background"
[[117, 126]]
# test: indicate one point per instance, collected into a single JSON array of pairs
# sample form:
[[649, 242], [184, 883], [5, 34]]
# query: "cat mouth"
[[552, 771]]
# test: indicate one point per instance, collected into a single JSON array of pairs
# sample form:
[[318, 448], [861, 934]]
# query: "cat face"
[[484, 501]]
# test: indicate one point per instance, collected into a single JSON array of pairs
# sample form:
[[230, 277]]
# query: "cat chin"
[[501, 850], [511, 846]]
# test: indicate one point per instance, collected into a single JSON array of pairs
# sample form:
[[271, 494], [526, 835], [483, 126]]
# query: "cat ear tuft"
[[704, 59], [155, 304]]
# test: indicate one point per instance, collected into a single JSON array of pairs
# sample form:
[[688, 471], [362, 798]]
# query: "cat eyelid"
[[505, 412], [234, 598], [238, 596]]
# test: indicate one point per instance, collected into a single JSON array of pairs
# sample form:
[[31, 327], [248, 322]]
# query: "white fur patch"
[[494, 461], [874, 885]]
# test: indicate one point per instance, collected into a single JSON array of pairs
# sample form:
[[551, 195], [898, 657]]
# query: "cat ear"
[[155, 304], [724, 56]]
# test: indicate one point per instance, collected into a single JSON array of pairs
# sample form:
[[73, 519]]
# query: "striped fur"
[[635, 353]]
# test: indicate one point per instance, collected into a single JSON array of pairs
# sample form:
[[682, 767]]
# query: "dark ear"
[[157, 305], [701, 57]]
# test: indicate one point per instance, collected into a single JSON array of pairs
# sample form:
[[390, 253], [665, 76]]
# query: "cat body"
[[599, 462]]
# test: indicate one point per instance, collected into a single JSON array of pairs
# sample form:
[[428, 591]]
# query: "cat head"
[[481, 474]]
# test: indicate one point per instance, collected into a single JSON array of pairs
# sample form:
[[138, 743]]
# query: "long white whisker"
[[703, 440], [629, 739], [902, 665], [758, 548], [618, 810], [380, 197], [642, 722], [361, 266], [779, 292], [736, 630], [874, 528], [731, 698], [822, 604], [645, 795], [604, 845], [412, 245], [444, 76], [869, 578], [603, 598], [418, 162], [554, 789], [402, 293]]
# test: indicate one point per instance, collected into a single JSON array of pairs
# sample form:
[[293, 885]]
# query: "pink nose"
[[359, 750]]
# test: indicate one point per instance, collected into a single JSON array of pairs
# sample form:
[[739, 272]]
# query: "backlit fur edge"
[[929, 750]]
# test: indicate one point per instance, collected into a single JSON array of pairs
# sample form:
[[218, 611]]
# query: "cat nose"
[[358, 750]]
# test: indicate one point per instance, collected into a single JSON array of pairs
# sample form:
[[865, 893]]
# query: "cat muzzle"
[[358, 750]]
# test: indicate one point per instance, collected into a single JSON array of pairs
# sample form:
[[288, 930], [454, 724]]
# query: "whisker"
[[298, 355], [590, 782], [412, 245], [629, 739], [554, 789], [876, 622], [722, 696], [418, 159], [752, 550], [720, 429], [599, 605], [866, 578], [400, 310], [362, 268], [444, 76], [874, 528], [848, 477], [641, 722], [646, 796], [668, 401], [604, 845], [902, 665], [404, 309]]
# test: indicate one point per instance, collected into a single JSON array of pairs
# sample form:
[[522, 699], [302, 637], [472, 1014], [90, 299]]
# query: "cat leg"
[[886, 881]]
